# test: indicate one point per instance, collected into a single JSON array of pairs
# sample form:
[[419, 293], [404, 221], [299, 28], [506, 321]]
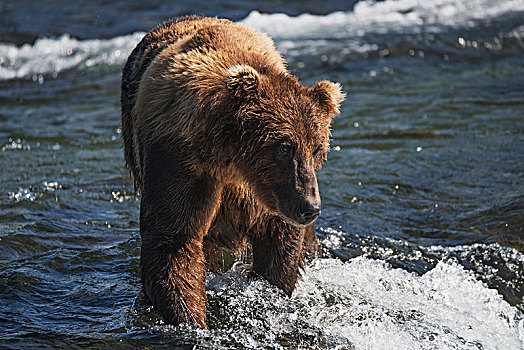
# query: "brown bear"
[[223, 144]]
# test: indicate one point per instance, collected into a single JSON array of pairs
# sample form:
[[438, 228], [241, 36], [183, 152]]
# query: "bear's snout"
[[298, 210], [307, 212]]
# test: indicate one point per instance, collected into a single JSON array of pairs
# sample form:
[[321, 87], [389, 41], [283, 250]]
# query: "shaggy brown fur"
[[223, 143]]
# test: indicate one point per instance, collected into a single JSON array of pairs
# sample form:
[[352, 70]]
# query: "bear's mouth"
[[299, 213]]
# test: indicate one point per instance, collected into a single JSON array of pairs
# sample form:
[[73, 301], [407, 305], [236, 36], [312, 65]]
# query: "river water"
[[423, 193]]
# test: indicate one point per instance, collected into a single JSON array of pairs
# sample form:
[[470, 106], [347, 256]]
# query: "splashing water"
[[55, 55], [422, 194], [387, 16], [360, 304], [50, 55], [378, 307]]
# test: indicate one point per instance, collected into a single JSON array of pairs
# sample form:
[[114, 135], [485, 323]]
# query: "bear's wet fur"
[[223, 144]]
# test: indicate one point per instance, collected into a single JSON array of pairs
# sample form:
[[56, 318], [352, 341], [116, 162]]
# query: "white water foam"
[[367, 304], [377, 307], [50, 56], [382, 17], [54, 55]]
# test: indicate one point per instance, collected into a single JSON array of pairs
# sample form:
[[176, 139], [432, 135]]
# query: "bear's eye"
[[285, 148]]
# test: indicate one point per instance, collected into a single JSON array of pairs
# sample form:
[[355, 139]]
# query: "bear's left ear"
[[329, 96], [242, 81]]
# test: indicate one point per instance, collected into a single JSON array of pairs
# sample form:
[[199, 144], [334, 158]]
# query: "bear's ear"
[[329, 96], [242, 81]]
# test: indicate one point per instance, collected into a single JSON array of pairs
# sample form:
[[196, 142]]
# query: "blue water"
[[423, 193]]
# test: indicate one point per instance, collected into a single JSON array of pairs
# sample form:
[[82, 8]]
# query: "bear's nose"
[[308, 212]]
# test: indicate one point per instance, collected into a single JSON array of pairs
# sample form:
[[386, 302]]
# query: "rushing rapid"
[[422, 221]]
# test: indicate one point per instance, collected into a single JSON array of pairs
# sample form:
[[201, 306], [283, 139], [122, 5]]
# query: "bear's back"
[[152, 44], [198, 34], [179, 68]]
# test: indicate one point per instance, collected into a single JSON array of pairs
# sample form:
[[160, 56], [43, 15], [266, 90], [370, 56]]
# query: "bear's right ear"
[[242, 81]]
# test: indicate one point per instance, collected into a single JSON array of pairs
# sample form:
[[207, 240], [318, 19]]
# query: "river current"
[[422, 223]]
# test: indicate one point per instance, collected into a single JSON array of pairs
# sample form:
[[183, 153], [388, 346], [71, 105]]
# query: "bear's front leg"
[[311, 244], [177, 208], [278, 252], [173, 280]]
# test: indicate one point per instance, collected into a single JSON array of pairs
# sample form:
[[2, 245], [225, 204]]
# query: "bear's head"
[[283, 132]]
